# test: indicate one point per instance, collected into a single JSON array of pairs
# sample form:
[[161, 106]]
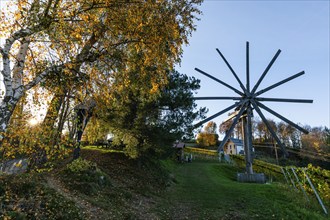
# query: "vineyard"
[[294, 177]]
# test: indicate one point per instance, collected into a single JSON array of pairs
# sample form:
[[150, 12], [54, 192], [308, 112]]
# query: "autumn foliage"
[[119, 55], [208, 137]]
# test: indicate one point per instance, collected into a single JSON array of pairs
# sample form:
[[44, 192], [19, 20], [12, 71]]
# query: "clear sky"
[[299, 28]]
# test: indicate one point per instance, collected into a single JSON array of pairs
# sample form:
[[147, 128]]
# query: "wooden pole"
[[276, 155], [315, 192], [283, 171], [247, 139], [292, 181], [301, 187]]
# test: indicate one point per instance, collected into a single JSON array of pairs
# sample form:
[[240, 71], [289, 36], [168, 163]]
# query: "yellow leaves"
[[127, 82], [142, 38], [95, 130], [205, 139], [154, 88], [19, 164], [29, 142], [85, 17], [17, 16], [7, 24]]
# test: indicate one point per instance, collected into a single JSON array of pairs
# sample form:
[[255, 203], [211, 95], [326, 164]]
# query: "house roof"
[[179, 145], [237, 142]]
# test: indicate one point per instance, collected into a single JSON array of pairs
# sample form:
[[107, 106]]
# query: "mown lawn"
[[130, 189], [209, 190]]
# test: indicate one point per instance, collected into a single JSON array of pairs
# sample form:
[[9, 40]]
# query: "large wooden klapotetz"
[[248, 100]]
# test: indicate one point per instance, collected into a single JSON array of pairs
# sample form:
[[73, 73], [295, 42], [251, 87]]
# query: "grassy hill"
[[112, 186], [209, 190]]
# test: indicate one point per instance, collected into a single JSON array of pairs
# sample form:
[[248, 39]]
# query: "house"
[[234, 146], [179, 145], [179, 152]]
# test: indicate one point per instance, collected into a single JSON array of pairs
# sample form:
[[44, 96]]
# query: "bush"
[[80, 165], [25, 196], [206, 139], [85, 177]]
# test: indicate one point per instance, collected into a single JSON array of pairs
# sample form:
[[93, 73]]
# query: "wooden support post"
[[275, 148], [247, 140], [315, 192], [283, 171], [292, 181], [301, 187]]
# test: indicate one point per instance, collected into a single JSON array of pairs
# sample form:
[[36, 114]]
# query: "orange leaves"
[[206, 139], [154, 88]]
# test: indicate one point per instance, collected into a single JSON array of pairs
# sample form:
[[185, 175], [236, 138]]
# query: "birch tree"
[[43, 38]]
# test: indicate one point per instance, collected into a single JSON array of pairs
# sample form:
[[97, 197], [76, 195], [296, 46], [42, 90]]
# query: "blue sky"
[[299, 28]]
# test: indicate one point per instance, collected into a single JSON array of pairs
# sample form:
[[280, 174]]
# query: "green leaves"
[[144, 121]]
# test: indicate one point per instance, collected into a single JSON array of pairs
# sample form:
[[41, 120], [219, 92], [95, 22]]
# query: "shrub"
[[26, 196], [84, 176]]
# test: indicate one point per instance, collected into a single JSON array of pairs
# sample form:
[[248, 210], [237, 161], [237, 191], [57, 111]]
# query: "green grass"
[[209, 190], [203, 189], [104, 150]]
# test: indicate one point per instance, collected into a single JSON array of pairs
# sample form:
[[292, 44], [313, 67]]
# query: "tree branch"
[[42, 75]]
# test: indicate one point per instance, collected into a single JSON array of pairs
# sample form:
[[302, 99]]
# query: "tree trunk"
[[50, 119], [5, 114], [62, 117], [53, 111], [7, 107], [84, 113]]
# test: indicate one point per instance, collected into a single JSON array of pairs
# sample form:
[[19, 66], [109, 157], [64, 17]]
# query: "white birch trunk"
[[14, 88], [13, 79]]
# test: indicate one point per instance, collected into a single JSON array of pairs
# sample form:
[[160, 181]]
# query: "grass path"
[[88, 210], [208, 190]]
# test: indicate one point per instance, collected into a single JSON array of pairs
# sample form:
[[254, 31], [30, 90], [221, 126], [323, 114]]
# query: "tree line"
[[317, 140]]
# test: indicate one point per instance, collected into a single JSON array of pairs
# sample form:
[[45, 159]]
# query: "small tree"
[[208, 137], [145, 119], [316, 139]]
